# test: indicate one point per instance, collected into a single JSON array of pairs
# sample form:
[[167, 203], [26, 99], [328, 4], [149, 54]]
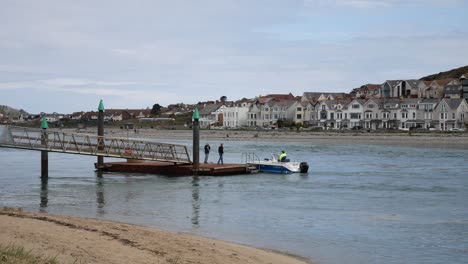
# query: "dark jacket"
[[207, 149], [221, 150]]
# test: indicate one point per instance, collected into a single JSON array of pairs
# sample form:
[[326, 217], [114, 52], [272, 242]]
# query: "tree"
[[223, 98], [156, 110]]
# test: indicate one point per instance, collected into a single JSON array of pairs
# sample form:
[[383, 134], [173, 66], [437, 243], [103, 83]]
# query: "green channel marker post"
[[100, 132], [44, 153], [196, 141]]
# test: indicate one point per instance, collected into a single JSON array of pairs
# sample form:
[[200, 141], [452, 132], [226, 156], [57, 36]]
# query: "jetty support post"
[[44, 153], [100, 132], [196, 141]]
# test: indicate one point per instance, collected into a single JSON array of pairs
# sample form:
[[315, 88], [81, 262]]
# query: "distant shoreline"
[[415, 139]]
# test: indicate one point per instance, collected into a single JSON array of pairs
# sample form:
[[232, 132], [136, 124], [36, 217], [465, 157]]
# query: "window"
[[355, 116], [299, 116], [394, 115], [404, 115], [371, 106], [385, 115], [323, 115], [332, 115], [355, 106], [299, 109], [323, 107], [453, 115], [414, 115]]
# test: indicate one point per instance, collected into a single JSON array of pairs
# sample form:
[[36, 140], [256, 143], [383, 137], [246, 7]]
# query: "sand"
[[80, 240]]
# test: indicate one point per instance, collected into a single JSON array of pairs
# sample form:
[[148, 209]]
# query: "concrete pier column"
[[44, 153], [100, 131], [196, 141]]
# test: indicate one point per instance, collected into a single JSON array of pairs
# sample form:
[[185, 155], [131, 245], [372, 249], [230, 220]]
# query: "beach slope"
[[80, 240]]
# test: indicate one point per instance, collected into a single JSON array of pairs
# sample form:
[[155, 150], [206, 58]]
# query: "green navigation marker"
[[195, 114], [44, 123], [101, 106]]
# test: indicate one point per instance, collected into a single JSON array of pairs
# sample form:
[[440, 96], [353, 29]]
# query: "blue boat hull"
[[273, 169]]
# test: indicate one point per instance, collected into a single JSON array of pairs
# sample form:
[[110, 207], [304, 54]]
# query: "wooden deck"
[[171, 169]]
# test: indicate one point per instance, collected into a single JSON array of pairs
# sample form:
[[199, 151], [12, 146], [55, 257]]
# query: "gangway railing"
[[86, 144]]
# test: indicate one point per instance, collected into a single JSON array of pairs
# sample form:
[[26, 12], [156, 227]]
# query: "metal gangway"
[[86, 144]]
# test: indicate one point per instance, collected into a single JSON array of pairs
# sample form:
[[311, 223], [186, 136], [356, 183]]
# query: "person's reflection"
[[44, 194], [100, 193], [195, 201]]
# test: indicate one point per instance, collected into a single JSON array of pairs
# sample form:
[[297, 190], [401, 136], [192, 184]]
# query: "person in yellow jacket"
[[282, 156]]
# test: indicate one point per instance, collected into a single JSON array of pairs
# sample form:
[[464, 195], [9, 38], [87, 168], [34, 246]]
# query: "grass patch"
[[18, 255]]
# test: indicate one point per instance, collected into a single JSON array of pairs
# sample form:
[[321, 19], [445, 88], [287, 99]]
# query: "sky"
[[66, 55]]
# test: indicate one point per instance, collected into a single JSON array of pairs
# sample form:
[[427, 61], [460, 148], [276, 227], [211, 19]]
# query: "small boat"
[[274, 166]]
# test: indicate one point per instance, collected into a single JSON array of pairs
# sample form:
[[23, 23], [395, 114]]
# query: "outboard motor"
[[304, 167]]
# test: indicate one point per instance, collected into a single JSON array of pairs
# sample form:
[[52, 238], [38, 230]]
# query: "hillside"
[[11, 112], [455, 73]]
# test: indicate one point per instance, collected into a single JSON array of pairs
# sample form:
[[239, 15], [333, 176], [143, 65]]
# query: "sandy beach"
[[80, 240], [455, 140]]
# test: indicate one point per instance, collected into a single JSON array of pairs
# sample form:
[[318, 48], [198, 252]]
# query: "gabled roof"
[[313, 96], [207, 110], [443, 82], [427, 83], [393, 83], [414, 83], [453, 103]]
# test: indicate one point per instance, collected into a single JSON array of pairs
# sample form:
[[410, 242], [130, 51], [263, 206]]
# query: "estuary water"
[[358, 203]]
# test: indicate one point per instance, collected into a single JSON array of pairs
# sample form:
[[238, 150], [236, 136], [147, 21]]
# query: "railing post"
[[100, 131], [196, 142], [44, 153]]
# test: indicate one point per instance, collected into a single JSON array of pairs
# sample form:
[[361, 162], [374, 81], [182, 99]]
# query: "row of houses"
[[443, 88], [438, 104], [391, 113], [394, 104]]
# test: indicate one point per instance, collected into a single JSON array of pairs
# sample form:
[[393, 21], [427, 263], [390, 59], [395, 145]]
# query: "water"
[[358, 204]]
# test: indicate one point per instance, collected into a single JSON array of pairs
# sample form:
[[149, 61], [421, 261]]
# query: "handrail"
[[85, 144], [249, 158]]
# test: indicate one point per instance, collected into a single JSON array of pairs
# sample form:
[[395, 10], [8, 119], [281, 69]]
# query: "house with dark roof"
[[211, 115], [451, 113]]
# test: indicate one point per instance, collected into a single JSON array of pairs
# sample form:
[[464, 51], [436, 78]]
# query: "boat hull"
[[275, 169], [281, 167]]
